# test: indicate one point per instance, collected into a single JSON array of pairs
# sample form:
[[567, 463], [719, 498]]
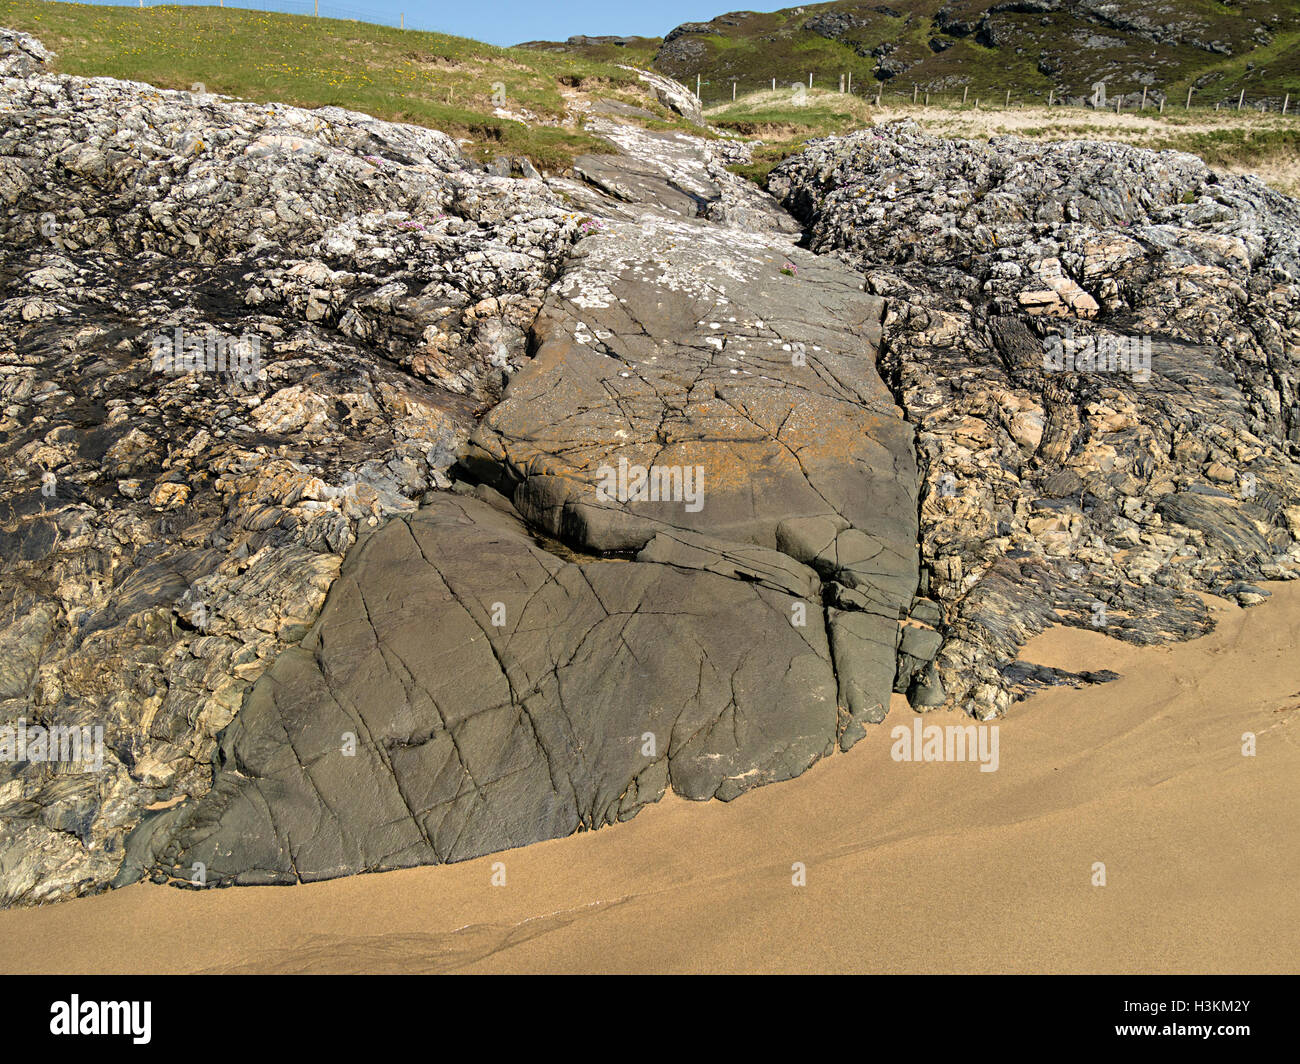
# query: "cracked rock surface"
[[1099, 347], [608, 682], [544, 652], [167, 534], [508, 655]]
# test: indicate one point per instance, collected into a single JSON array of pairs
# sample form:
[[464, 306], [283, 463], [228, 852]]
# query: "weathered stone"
[[1106, 488], [169, 529], [472, 736]]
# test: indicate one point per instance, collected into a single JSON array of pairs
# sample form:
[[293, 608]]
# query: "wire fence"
[[718, 92], [714, 92]]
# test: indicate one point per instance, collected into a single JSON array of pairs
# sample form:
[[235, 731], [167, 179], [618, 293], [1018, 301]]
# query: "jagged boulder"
[[672, 94], [22, 55]]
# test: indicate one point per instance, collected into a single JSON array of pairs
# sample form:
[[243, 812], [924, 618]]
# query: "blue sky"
[[511, 21]]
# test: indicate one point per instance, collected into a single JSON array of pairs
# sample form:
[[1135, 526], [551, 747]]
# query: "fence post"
[[850, 81], [697, 81], [1189, 99], [1050, 97], [841, 83], [1286, 103], [774, 84], [1162, 105], [733, 89], [964, 91], [402, 21], [1241, 99], [1008, 103], [1144, 99], [810, 79]]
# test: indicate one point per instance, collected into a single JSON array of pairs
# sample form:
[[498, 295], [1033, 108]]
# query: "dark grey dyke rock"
[[748, 620], [606, 682]]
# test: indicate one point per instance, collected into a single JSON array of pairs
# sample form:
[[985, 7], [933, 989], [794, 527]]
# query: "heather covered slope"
[[1027, 46]]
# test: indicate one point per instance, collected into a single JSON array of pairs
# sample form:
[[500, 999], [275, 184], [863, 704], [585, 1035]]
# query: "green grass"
[[783, 126], [448, 83], [1232, 147], [428, 79], [1037, 51]]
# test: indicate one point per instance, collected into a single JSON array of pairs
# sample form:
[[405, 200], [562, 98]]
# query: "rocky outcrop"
[[21, 55], [242, 343], [678, 175], [385, 510], [344, 296], [673, 95], [1099, 347], [698, 460]]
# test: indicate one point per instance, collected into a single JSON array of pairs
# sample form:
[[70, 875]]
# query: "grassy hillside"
[[430, 79], [636, 51], [1031, 47]]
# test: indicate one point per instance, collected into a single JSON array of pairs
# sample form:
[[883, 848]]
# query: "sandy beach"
[[910, 867]]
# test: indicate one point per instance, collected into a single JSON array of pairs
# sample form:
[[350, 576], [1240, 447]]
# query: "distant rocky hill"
[[1030, 47]]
